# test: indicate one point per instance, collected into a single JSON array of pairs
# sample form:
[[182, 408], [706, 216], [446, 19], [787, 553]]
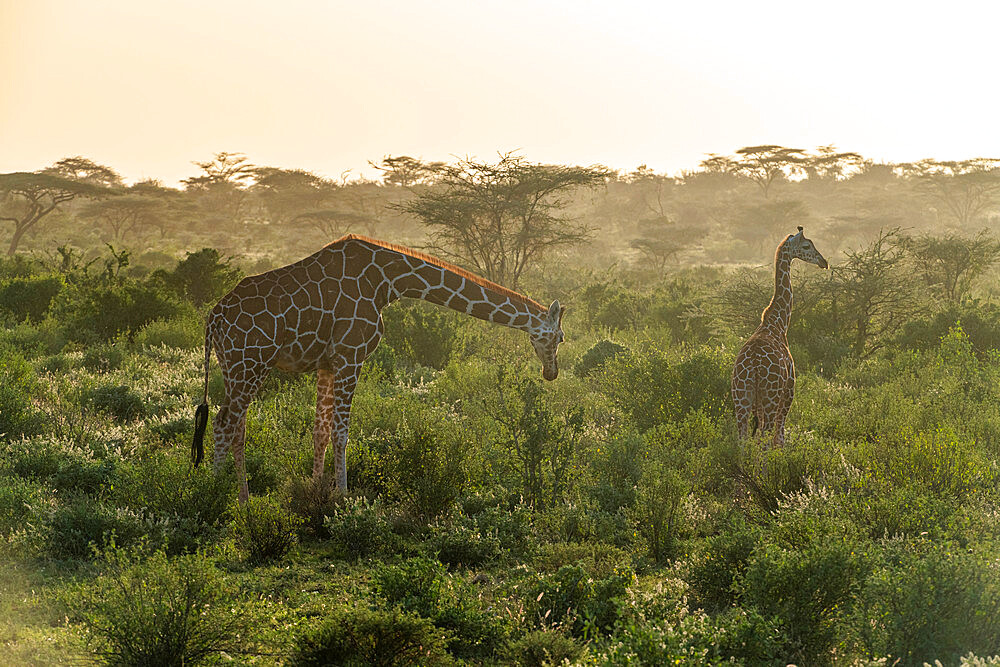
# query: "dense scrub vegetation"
[[607, 518]]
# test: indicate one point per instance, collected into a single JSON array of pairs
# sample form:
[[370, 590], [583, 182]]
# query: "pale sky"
[[147, 87]]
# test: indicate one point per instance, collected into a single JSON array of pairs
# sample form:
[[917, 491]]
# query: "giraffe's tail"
[[201, 414]]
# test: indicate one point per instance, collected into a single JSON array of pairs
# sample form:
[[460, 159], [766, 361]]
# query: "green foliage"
[[82, 525], [103, 357], [360, 528], [656, 512], [539, 648], [598, 355], [158, 611], [807, 589], [101, 312], [202, 277], [22, 505], [29, 298], [715, 572], [655, 386], [264, 531], [18, 384], [930, 603], [357, 637], [117, 401], [580, 603], [421, 334], [183, 332], [423, 586]]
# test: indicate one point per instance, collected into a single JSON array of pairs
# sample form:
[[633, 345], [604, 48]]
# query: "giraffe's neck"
[[778, 313], [417, 279]]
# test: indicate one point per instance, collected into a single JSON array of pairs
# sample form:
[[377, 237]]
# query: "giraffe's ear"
[[555, 312]]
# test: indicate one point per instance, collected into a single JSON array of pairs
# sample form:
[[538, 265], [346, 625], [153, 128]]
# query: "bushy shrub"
[[18, 385], [656, 513], [714, 573], [181, 332], [80, 525], [22, 503], [359, 637], [938, 605], [103, 357], [421, 334], [423, 586], [264, 531], [598, 355], [202, 277], [807, 589], [360, 528], [573, 599], [314, 501], [654, 386], [463, 543], [189, 506], [540, 648], [119, 401], [91, 313], [158, 612], [29, 298], [597, 558]]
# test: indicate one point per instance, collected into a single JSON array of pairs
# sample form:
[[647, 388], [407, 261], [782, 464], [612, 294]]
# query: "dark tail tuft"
[[198, 444]]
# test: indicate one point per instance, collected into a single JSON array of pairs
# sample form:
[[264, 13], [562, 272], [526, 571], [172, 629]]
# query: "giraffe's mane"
[[437, 261]]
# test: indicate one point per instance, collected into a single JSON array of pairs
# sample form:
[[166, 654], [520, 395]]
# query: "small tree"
[[27, 197], [876, 292], [966, 189], [222, 185], [125, 214], [405, 171], [500, 218], [951, 262], [765, 164]]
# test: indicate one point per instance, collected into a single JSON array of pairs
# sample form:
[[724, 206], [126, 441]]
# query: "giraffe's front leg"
[[325, 405]]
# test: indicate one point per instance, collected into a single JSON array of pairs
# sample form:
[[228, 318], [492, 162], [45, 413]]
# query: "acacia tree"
[[765, 164], [876, 292], [829, 164], [223, 184], [406, 171], [124, 214], [952, 263], [965, 188], [27, 197], [500, 218]]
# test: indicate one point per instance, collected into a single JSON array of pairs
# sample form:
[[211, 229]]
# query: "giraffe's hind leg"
[[324, 420]]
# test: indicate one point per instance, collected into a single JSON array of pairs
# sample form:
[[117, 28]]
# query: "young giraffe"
[[763, 382], [323, 313]]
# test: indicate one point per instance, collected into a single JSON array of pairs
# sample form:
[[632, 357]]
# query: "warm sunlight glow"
[[327, 86]]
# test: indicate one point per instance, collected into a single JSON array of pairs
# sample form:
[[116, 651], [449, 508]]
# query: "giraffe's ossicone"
[[323, 314], [763, 382]]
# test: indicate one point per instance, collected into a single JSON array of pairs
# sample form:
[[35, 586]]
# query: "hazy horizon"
[[148, 88]]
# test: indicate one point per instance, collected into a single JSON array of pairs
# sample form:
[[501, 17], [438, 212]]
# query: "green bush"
[[540, 648], [158, 612], [657, 510], [80, 525], [202, 277], [424, 587], [808, 590], [264, 531], [188, 506], [22, 503], [459, 543], [118, 401], [18, 385], [313, 502], [714, 573], [936, 605], [103, 357], [360, 528], [421, 334], [573, 599], [92, 313], [29, 298], [594, 359], [181, 332], [361, 637]]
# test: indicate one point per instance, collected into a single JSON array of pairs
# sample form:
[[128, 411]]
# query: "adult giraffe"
[[323, 314], [763, 383]]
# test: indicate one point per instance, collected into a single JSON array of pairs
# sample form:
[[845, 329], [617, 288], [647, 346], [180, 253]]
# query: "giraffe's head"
[[546, 338], [802, 248]]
